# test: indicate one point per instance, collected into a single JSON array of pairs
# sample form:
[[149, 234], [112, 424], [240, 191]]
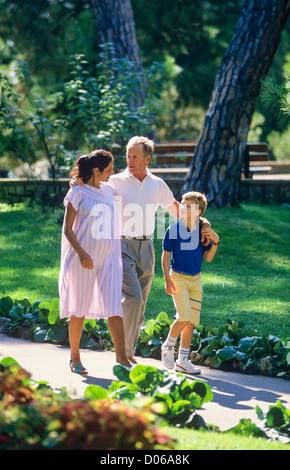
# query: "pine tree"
[[218, 158]]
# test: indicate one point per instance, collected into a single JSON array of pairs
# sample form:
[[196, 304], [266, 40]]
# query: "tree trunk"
[[115, 25], [218, 158]]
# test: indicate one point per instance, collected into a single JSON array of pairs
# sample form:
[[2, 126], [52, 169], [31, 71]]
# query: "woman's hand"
[[86, 261]]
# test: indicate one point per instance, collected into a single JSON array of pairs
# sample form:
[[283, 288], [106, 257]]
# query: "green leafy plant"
[[20, 315], [174, 398], [104, 105], [42, 323], [274, 425], [92, 109], [153, 334], [232, 346], [52, 327], [30, 124]]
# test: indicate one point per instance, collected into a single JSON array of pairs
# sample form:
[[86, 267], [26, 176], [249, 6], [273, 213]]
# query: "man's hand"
[[210, 234], [75, 181], [205, 224]]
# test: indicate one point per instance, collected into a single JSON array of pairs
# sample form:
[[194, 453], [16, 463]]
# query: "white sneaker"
[[187, 367], [167, 356]]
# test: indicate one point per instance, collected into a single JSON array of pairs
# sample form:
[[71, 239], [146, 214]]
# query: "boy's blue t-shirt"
[[185, 247]]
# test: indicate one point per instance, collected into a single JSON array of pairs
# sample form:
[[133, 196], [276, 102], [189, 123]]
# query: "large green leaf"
[[203, 390], [122, 373], [152, 326], [57, 334], [245, 344], [95, 392], [9, 361], [212, 345], [44, 305], [40, 335], [146, 351], [6, 304], [162, 317], [144, 376], [16, 313], [275, 417], [225, 354], [247, 428], [180, 405], [53, 316], [241, 356]]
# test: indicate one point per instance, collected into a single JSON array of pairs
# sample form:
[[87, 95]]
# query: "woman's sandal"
[[77, 369]]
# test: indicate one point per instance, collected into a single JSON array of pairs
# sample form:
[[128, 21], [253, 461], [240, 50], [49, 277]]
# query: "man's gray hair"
[[148, 145]]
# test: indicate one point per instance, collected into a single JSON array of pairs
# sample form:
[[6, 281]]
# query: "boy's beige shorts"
[[188, 296]]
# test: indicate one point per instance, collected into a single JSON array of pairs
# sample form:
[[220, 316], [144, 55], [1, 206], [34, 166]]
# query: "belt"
[[143, 237], [184, 273]]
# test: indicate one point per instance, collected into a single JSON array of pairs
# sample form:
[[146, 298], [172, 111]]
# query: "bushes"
[[274, 425], [34, 417], [41, 322], [232, 347], [95, 108], [174, 397], [228, 346]]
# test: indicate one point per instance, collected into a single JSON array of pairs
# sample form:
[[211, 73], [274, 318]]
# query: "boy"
[[182, 241]]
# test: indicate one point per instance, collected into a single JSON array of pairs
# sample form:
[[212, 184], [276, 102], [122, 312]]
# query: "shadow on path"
[[235, 396]]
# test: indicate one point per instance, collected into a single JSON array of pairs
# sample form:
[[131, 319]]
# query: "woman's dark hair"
[[83, 167]]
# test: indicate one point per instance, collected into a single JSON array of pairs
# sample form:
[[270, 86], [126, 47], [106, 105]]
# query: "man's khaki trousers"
[[138, 271]]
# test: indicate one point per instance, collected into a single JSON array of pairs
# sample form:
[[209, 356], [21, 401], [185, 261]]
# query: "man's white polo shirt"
[[137, 202]]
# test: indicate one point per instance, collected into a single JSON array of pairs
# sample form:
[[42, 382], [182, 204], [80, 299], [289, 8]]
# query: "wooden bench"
[[174, 158]]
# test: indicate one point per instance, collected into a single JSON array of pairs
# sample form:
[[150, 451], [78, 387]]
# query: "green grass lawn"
[[188, 439], [247, 281]]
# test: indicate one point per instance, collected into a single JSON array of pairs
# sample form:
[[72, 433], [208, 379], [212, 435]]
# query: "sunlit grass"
[[30, 252], [247, 281], [188, 439]]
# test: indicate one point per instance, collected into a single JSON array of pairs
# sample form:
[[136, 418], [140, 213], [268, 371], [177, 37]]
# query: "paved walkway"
[[235, 394]]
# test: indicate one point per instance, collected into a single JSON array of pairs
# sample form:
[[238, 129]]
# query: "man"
[[139, 194]]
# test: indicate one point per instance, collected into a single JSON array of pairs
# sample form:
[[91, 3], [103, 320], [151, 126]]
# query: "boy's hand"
[[75, 181], [169, 287]]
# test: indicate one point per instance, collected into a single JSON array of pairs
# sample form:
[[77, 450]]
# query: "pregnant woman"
[[90, 280]]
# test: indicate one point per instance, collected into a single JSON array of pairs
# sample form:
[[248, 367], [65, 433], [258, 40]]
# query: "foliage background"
[[188, 38]]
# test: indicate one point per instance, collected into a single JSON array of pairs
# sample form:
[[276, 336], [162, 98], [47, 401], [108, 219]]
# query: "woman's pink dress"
[[93, 293]]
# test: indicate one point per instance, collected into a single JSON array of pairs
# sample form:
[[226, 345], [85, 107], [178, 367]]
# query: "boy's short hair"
[[196, 198], [148, 145]]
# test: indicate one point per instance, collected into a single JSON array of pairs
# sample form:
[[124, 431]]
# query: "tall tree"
[[115, 25], [219, 154]]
